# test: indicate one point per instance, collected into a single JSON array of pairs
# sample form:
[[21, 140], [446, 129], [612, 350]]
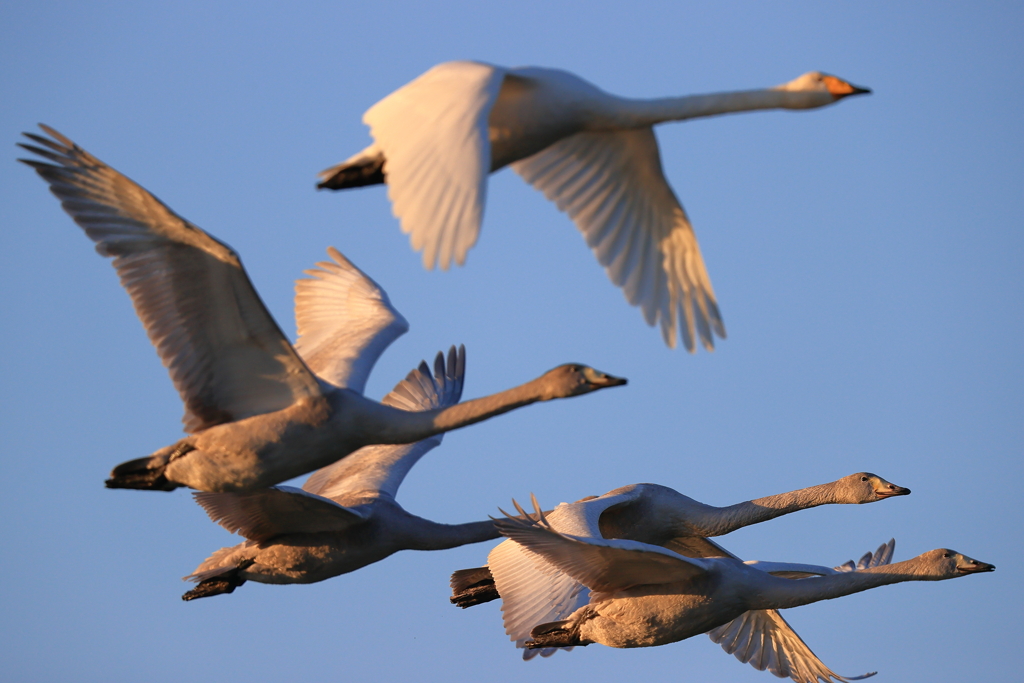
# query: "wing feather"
[[434, 135], [383, 467], [262, 514], [646, 240], [345, 321], [227, 357]]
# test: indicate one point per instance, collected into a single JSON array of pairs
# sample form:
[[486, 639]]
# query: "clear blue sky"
[[867, 258]]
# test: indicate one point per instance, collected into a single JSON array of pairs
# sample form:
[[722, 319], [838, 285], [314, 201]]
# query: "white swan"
[[534, 591], [258, 410], [592, 153], [643, 595], [344, 517]]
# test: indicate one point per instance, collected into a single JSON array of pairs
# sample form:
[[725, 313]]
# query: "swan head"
[[865, 487], [573, 379], [820, 89], [943, 563]]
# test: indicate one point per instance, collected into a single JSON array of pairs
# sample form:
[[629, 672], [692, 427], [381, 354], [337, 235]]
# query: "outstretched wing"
[[434, 136], [383, 467], [763, 639], [535, 591], [600, 564], [226, 356], [264, 513], [612, 186], [345, 322]]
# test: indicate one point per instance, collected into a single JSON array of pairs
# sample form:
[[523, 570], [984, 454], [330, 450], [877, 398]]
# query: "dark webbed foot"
[[217, 585], [473, 587]]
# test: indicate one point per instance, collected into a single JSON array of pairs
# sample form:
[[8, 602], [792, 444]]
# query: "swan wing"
[[612, 186], [535, 591], [434, 135], [697, 546], [793, 570], [345, 321], [262, 514], [763, 639], [383, 467], [227, 357], [604, 565]]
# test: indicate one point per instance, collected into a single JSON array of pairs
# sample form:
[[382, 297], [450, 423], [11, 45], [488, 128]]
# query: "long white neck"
[[769, 592], [638, 113], [715, 521]]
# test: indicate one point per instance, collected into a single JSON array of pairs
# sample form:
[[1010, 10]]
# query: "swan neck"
[[638, 113], [426, 535], [718, 521], [409, 426], [777, 593]]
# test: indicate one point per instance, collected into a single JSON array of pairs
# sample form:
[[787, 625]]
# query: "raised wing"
[[535, 591], [603, 565], [612, 186], [765, 640], [383, 468], [262, 514], [433, 132], [792, 570], [226, 356], [345, 322]]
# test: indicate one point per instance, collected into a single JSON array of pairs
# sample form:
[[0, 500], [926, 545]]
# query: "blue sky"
[[867, 258]]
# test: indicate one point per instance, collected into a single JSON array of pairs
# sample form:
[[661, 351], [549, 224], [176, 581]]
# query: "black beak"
[[977, 568]]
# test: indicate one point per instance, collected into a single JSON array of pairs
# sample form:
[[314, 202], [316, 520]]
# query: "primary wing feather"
[[603, 565], [433, 132], [227, 357], [612, 186], [262, 514], [345, 321], [532, 589], [383, 467]]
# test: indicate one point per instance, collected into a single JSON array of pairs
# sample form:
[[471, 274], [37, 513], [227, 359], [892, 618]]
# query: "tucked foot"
[[554, 634], [148, 473], [217, 585], [367, 171], [473, 587]]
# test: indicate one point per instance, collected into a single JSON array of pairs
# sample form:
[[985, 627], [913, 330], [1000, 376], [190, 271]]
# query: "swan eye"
[[863, 478], [947, 555]]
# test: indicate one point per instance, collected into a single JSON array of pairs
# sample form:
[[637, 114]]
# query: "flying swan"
[[534, 591], [258, 411], [644, 595], [344, 517], [592, 153]]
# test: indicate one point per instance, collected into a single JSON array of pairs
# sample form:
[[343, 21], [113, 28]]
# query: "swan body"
[[345, 516], [594, 154], [535, 591], [258, 410], [643, 595]]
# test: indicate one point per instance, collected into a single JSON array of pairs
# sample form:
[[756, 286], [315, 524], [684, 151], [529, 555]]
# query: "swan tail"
[[147, 473], [473, 587], [365, 168]]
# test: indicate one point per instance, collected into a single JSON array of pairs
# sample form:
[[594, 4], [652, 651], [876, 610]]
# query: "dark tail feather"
[[357, 174], [473, 587]]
